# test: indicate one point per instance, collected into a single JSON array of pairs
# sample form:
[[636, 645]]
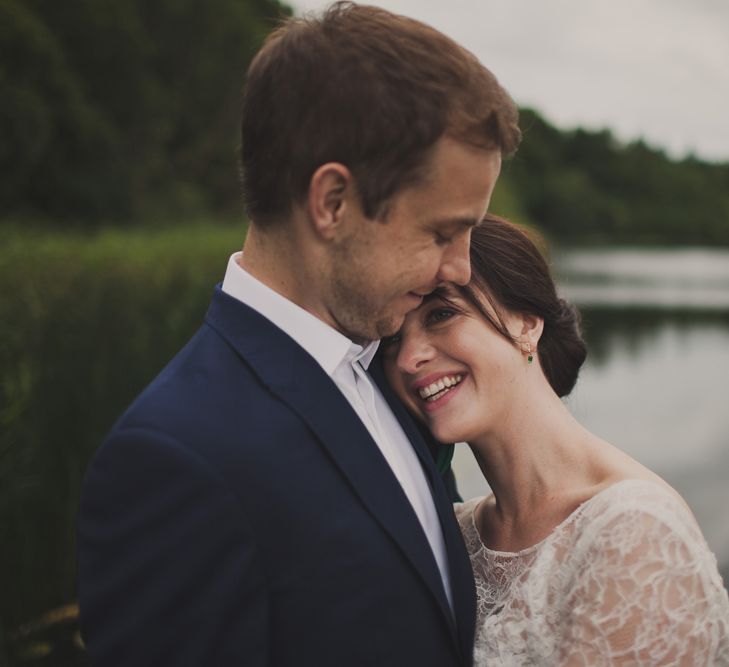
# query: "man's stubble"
[[358, 302]]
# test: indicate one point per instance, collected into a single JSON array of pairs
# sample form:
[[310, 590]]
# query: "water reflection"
[[656, 382], [636, 329], [658, 389], [690, 279]]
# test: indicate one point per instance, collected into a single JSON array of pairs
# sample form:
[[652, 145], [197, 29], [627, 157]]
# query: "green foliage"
[[114, 110], [129, 110], [584, 187], [85, 323], [506, 202]]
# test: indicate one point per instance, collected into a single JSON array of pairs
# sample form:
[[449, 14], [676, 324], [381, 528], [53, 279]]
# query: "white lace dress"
[[626, 579]]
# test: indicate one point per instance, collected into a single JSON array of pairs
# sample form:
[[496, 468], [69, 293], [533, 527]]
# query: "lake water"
[[656, 381]]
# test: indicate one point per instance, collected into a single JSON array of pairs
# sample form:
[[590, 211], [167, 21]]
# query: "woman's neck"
[[540, 464]]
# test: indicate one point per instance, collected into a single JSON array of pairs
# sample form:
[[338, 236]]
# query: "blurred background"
[[119, 206]]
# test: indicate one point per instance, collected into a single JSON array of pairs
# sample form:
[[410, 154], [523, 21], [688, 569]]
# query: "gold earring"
[[530, 356]]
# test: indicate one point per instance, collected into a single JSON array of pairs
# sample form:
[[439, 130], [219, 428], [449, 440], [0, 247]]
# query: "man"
[[262, 503]]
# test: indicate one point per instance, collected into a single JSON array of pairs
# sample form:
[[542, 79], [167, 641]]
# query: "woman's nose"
[[415, 350]]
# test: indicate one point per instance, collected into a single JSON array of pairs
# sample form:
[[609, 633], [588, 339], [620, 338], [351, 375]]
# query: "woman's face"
[[453, 370]]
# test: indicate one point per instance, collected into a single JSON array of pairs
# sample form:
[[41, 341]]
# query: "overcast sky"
[[657, 69]]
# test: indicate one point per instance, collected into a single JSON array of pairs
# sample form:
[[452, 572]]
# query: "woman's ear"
[[330, 192], [532, 327]]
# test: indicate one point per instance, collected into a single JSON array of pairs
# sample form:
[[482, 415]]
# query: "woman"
[[581, 556]]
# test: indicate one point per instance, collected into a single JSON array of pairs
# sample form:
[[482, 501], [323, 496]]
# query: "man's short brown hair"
[[366, 88]]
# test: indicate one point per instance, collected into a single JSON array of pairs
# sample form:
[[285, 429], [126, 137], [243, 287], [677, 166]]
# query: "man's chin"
[[387, 327], [376, 328]]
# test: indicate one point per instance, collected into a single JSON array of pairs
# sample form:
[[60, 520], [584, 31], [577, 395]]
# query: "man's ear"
[[331, 189]]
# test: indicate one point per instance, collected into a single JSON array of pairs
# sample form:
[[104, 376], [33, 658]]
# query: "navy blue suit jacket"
[[239, 513]]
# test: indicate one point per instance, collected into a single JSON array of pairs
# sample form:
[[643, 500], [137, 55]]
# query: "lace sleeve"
[[645, 591]]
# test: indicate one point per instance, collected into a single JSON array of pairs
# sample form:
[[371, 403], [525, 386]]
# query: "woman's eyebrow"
[[436, 294], [443, 293]]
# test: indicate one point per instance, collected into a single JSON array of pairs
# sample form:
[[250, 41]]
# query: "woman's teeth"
[[437, 389]]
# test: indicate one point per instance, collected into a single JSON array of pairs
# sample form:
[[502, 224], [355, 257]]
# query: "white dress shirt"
[[346, 364]]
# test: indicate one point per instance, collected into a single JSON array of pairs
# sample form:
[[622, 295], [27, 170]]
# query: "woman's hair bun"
[[562, 349], [511, 272]]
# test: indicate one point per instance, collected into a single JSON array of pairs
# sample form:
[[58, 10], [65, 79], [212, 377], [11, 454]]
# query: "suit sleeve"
[[169, 573]]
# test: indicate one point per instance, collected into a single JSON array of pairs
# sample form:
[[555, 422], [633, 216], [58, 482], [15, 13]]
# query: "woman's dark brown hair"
[[509, 271], [366, 88]]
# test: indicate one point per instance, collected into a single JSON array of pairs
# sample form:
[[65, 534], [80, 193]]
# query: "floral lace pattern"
[[626, 579]]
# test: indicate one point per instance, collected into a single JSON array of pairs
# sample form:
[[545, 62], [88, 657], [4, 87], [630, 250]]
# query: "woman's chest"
[[522, 605]]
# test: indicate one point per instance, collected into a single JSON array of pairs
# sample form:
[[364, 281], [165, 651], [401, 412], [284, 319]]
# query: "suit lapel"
[[291, 373], [461, 575]]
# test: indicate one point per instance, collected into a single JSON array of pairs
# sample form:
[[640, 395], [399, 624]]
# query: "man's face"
[[382, 270]]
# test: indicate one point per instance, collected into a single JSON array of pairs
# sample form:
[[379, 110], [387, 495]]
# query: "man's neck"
[[268, 257], [283, 262]]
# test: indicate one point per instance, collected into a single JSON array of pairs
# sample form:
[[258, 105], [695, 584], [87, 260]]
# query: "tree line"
[[127, 112], [586, 186], [116, 111]]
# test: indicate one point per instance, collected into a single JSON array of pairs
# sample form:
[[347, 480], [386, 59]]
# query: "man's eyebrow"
[[459, 222]]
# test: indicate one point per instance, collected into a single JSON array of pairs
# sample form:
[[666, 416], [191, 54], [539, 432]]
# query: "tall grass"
[[85, 323]]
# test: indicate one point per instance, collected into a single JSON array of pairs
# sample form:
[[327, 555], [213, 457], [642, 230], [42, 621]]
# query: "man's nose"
[[456, 264]]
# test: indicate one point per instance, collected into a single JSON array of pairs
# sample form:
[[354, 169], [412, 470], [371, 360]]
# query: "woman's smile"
[[437, 389], [445, 350]]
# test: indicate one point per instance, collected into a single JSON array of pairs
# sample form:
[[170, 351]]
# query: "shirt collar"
[[368, 353], [328, 347]]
